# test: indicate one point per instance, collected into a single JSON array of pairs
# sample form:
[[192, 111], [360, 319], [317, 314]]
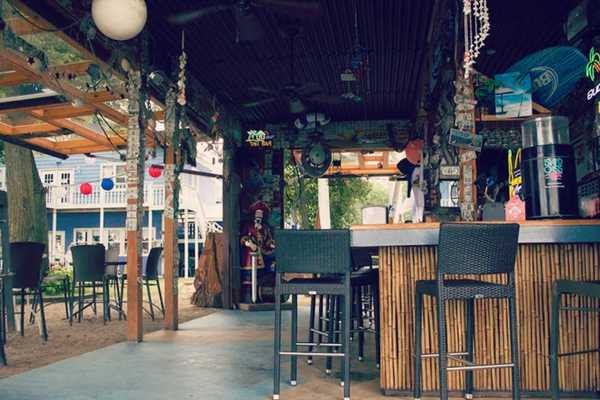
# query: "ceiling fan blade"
[[298, 9], [259, 89], [257, 103], [325, 99], [309, 89], [188, 16]]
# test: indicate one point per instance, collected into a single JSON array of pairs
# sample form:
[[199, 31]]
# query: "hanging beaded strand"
[[477, 29], [182, 64]]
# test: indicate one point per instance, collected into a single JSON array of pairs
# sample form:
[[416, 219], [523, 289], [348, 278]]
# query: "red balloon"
[[85, 189], [155, 171], [413, 151]]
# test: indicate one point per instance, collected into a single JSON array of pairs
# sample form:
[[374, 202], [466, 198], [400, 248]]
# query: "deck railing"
[[70, 197]]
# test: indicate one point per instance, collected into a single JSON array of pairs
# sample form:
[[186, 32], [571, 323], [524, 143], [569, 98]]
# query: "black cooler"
[[549, 181]]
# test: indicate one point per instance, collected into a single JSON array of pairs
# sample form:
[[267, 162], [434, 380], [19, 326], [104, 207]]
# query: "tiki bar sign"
[[592, 69], [259, 138]]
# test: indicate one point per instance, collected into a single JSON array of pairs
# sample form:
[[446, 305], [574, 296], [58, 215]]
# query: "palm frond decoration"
[[593, 65]]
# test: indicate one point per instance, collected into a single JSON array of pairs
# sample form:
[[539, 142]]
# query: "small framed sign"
[[465, 140], [259, 138], [449, 172]]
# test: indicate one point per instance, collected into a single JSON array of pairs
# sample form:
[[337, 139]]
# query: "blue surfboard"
[[554, 72]]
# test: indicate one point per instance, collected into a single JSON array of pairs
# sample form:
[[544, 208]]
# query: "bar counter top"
[[426, 234]]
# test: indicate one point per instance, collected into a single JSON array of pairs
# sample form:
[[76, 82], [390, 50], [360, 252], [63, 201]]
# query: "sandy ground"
[[64, 341]]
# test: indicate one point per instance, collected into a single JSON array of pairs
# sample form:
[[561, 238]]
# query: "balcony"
[[69, 197]]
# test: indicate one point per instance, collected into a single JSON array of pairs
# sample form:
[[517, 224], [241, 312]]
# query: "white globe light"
[[120, 19]]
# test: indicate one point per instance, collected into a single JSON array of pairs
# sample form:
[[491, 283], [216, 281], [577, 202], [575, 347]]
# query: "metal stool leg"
[[443, 351], [377, 323], [22, 312], [330, 330], [470, 330], [311, 327], [346, 342], [554, 341], [277, 342], [417, 360], [514, 344], [42, 315], [294, 341], [81, 289], [361, 332], [149, 299], [66, 296], [71, 301], [160, 298]]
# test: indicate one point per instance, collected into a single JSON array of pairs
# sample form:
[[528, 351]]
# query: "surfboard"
[[554, 71]]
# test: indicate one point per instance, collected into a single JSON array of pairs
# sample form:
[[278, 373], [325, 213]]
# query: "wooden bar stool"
[[494, 251], [560, 288], [320, 252]]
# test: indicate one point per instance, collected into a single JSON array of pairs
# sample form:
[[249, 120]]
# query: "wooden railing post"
[[170, 239], [135, 210]]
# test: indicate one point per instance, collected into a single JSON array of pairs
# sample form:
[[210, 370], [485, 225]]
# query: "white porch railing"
[[69, 197]]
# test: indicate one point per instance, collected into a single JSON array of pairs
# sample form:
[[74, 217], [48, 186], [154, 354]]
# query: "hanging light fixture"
[[120, 19]]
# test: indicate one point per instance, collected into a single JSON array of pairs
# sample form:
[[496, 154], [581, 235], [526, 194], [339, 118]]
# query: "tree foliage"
[[347, 196]]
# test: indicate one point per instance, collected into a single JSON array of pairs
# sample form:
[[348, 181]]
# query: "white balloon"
[[120, 19]]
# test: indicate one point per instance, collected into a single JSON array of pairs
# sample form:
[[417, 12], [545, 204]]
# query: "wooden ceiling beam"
[[34, 128], [14, 78], [21, 27], [77, 129]]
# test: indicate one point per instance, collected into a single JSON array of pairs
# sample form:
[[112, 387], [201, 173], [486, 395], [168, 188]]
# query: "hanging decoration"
[[155, 171], [477, 29], [85, 189], [181, 82], [120, 19], [107, 184]]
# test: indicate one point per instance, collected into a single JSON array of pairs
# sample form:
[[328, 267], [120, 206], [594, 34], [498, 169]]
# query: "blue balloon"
[[107, 184]]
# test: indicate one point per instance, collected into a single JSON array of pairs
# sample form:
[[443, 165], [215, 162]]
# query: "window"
[[57, 178], [48, 179], [118, 173]]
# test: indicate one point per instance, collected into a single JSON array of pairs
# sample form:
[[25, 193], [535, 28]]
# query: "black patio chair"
[[494, 249], [89, 273], [26, 263], [325, 253], [151, 279], [590, 289]]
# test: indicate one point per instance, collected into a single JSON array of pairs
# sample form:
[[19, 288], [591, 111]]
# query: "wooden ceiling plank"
[[81, 143], [76, 128], [34, 128], [14, 78]]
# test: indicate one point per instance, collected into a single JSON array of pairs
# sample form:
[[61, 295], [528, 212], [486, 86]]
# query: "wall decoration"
[[554, 73], [513, 95], [465, 140], [477, 29], [258, 138], [593, 65], [449, 171]]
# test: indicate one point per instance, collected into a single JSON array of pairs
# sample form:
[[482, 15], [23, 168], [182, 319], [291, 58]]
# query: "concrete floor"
[[226, 355]]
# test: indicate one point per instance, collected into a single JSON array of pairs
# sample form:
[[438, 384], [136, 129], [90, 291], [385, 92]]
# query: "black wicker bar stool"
[[321, 252], [365, 309], [494, 251], [560, 288]]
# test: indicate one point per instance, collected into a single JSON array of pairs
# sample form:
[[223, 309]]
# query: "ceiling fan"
[[299, 97], [249, 27]]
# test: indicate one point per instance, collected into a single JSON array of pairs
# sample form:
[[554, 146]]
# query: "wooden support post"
[[135, 202], [231, 224], [171, 198]]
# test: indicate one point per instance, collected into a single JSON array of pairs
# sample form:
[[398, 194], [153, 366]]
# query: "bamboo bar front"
[[538, 265]]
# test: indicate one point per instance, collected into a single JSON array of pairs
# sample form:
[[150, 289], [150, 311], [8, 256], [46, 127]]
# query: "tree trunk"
[[27, 215]]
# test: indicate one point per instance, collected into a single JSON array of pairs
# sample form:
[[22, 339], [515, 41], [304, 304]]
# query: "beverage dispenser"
[[549, 181]]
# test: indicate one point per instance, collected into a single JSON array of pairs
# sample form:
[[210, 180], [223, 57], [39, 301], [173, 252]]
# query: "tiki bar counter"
[[548, 250]]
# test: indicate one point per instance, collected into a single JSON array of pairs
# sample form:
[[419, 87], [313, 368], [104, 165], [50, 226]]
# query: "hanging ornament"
[[182, 64], [107, 184], [155, 171], [120, 19], [85, 189], [477, 29]]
